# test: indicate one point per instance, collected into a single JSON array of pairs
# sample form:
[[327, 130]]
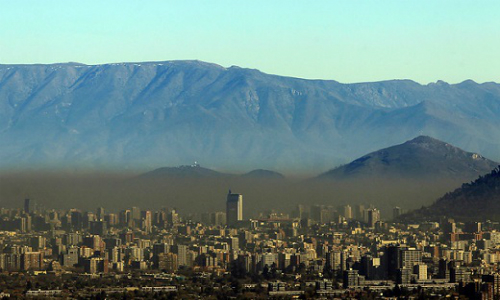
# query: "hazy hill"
[[478, 200], [263, 174], [186, 171], [145, 115], [197, 171], [420, 158]]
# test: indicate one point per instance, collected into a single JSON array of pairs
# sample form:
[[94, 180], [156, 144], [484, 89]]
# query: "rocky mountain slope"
[[475, 201], [145, 115], [420, 158]]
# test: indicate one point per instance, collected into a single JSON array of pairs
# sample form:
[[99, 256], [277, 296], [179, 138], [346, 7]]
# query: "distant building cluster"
[[346, 251]]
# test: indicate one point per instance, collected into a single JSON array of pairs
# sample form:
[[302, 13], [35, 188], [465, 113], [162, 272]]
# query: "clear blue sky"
[[348, 41]]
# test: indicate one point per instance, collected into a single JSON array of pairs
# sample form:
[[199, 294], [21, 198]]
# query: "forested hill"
[[478, 200]]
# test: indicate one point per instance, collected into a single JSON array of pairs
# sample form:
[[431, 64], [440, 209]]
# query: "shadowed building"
[[26, 206], [234, 208]]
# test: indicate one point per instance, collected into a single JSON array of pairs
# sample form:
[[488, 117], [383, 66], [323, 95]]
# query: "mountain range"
[[197, 171], [409, 175], [146, 115], [420, 158]]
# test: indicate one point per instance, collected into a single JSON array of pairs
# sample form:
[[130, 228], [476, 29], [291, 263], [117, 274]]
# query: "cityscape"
[[313, 251], [249, 149]]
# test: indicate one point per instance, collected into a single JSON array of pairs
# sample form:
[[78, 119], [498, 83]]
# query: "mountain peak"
[[468, 82], [429, 142], [424, 139], [420, 158], [184, 171]]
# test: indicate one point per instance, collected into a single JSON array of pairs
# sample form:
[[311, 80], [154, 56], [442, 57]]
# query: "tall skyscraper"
[[146, 223], [182, 251], [299, 212], [100, 214], [396, 212], [27, 206], [360, 212], [373, 216], [136, 213], [348, 212], [234, 208]]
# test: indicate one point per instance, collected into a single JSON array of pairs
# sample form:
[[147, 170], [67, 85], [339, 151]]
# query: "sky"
[[347, 41]]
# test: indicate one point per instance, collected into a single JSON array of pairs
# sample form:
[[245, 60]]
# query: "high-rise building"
[[76, 219], [396, 212], [360, 212], [459, 273], [98, 227], [352, 278], [299, 212], [125, 217], [218, 218], [111, 219], [88, 217], [333, 260], [316, 212], [136, 213], [443, 271], [348, 212], [370, 267], [147, 221], [410, 257], [234, 208], [405, 276], [392, 261], [182, 252], [397, 257], [95, 265], [449, 226], [71, 257], [373, 216], [495, 280], [27, 206], [421, 271], [31, 261], [472, 227], [37, 242], [100, 214], [168, 262], [173, 217]]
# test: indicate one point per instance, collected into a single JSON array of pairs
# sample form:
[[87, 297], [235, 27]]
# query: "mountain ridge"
[[201, 62], [144, 115], [418, 158], [197, 171]]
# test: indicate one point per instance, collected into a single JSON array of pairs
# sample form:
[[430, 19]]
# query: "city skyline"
[[321, 252]]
